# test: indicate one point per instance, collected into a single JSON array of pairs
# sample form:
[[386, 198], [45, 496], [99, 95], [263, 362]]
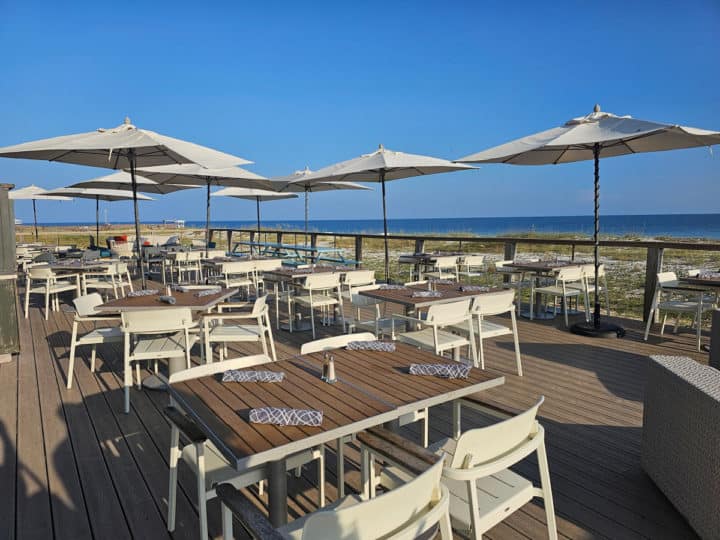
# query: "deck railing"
[[654, 248]]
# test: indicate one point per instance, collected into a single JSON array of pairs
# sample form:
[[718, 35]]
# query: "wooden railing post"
[[510, 249], [279, 236], [252, 237], [358, 250], [652, 267], [229, 234], [419, 245], [9, 334], [572, 254]]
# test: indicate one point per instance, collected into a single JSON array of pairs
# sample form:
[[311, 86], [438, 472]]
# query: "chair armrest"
[[404, 444], [98, 318], [411, 319], [233, 305], [401, 456], [251, 518], [490, 407], [189, 428]]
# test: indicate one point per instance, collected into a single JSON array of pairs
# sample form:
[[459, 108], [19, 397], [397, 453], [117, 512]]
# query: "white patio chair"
[[319, 291], [207, 462], [237, 274], [155, 334], [483, 489], [408, 511], [678, 303], [486, 305], [443, 268], [471, 266], [261, 266], [226, 327], [588, 287], [356, 319], [517, 279], [565, 277], [433, 333], [190, 263], [116, 276], [50, 285], [85, 313], [355, 279]]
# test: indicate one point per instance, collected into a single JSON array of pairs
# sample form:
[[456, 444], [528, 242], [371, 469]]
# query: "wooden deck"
[[73, 466]]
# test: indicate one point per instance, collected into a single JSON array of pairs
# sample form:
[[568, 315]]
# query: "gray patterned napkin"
[[474, 288], [426, 294], [143, 292], [381, 346], [282, 416], [168, 300], [236, 375], [391, 287], [448, 371], [442, 281], [208, 292], [709, 275]]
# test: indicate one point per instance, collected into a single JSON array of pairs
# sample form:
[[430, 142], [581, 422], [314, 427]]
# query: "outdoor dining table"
[[422, 261], [537, 271], [297, 252], [372, 388], [406, 296]]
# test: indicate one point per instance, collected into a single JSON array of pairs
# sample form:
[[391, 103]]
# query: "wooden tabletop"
[[421, 258], [372, 388], [540, 266], [706, 282], [80, 266], [404, 296], [182, 299], [290, 273]]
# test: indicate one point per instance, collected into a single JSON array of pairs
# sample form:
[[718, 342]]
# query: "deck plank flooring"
[[75, 466]]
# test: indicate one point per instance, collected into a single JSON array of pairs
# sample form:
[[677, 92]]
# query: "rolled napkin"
[[448, 371], [237, 375], [282, 416], [391, 287], [208, 292], [426, 294], [142, 292], [709, 275], [375, 345], [474, 288], [168, 300]]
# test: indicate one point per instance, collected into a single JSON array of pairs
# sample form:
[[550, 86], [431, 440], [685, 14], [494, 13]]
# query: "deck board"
[[82, 469]]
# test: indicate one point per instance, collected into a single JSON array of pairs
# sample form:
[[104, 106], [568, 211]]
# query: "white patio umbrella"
[[122, 180], [297, 182], [257, 195], [382, 166], [98, 195], [33, 192], [122, 147], [197, 175], [596, 135]]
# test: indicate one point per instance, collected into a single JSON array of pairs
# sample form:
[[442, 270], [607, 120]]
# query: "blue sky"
[[290, 84]]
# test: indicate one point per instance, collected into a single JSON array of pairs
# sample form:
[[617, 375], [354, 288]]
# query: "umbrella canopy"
[[33, 192], [197, 175], [382, 166], [122, 180], [98, 195], [599, 134], [257, 195], [298, 182], [123, 147]]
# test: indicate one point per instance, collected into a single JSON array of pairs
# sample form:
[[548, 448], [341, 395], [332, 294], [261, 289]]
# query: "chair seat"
[[318, 300], [110, 334], [682, 306], [424, 338], [238, 282], [170, 346], [556, 290], [59, 286], [487, 329], [235, 332], [499, 494]]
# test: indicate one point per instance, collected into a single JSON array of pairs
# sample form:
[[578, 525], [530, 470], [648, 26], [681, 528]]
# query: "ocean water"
[[645, 226]]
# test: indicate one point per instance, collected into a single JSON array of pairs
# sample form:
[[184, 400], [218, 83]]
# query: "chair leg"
[[172, 488], [227, 523], [662, 326], [71, 364], [321, 477], [425, 428], [340, 457], [445, 527], [516, 342], [93, 355], [201, 493], [27, 299], [47, 304], [312, 320], [547, 492]]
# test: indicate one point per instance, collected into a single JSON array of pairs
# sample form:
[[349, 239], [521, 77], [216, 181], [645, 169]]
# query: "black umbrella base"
[[601, 330]]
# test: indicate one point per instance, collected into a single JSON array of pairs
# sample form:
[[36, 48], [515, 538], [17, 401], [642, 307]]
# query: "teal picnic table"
[[298, 253]]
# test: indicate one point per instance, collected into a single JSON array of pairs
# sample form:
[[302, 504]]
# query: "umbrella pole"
[[207, 219], [97, 221], [257, 203], [596, 238], [131, 159], [385, 229], [307, 207], [35, 218]]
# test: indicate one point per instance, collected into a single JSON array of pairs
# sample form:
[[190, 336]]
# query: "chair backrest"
[[259, 305], [494, 303], [85, 305], [334, 342], [399, 513], [194, 256], [448, 261], [40, 272], [449, 313], [264, 265], [480, 445], [212, 253], [152, 321], [219, 367], [322, 281], [359, 277], [472, 260], [571, 273], [238, 267], [666, 278]]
